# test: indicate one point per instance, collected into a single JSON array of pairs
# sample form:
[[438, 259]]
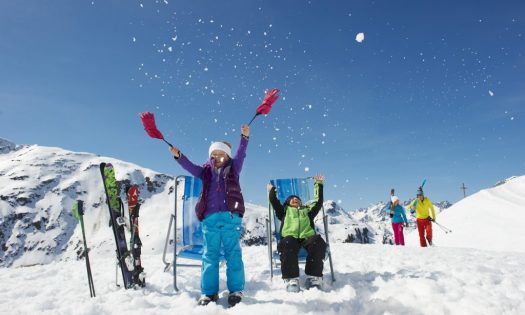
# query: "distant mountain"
[[377, 217], [38, 186], [6, 146]]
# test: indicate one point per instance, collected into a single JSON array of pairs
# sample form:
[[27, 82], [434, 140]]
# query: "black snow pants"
[[288, 249]]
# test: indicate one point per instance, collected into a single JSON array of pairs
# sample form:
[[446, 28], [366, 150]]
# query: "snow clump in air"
[[360, 37]]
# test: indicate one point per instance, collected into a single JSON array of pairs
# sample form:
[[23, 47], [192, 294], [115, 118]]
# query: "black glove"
[[430, 219]]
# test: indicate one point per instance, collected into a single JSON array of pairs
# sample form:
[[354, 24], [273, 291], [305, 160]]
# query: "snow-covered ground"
[[370, 279], [476, 269], [490, 219]]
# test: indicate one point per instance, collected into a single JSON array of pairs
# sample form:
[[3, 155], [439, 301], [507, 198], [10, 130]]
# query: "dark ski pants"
[[289, 247], [424, 225]]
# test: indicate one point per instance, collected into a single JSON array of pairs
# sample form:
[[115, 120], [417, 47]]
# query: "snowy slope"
[[373, 279], [38, 186], [490, 219]]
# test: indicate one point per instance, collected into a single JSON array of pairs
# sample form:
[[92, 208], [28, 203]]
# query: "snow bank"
[[491, 219]]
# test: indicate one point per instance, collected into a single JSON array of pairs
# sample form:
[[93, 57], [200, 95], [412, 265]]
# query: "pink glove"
[[270, 98]]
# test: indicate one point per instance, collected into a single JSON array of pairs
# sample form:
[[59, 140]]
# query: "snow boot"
[[313, 282], [292, 285], [206, 299], [234, 298]]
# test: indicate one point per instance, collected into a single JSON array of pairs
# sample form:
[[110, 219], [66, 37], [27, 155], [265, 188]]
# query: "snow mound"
[[491, 219]]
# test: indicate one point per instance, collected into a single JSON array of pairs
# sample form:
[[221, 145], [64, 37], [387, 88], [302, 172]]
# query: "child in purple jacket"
[[220, 208]]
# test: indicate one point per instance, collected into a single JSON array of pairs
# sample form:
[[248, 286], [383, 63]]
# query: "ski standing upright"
[[135, 244], [117, 223]]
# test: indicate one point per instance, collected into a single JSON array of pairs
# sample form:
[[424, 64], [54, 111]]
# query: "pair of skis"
[[128, 261]]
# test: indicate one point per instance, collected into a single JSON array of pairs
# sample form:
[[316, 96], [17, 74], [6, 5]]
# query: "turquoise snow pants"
[[222, 228]]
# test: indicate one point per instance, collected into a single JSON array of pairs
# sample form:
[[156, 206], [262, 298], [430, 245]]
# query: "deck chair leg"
[[325, 222], [175, 278], [175, 254], [269, 238], [331, 266], [167, 264]]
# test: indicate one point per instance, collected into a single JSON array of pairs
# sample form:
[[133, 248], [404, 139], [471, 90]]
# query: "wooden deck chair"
[[284, 188]]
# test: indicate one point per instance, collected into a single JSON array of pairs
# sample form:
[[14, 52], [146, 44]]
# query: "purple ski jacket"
[[221, 190]]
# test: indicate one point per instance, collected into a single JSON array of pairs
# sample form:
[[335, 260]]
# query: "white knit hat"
[[394, 199], [220, 146]]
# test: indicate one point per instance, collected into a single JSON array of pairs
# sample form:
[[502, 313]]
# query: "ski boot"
[[234, 298], [313, 282], [292, 285], [206, 299]]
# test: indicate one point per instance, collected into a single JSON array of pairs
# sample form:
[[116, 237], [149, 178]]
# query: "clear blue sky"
[[412, 101]]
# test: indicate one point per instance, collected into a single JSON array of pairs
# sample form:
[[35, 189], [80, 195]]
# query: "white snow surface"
[[476, 269], [370, 279], [490, 219]]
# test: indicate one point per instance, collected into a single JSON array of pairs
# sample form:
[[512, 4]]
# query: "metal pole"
[[88, 267], [464, 190], [269, 236], [175, 235]]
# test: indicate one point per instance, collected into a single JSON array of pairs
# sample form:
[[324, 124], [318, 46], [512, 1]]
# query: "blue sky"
[[436, 90]]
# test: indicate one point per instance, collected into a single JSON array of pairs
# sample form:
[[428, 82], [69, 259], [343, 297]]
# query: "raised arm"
[[238, 159], [188, 165], [318, 197], [276, 204]]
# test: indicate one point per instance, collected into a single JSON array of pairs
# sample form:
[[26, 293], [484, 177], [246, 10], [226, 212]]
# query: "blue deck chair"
[[187, 191], [284, 188]]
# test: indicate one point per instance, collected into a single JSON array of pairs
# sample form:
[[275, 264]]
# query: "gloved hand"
[[270, 98], [430, 219], [412, 211]]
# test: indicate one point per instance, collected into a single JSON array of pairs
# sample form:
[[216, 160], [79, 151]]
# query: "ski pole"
[[445, 229], [78, 213]]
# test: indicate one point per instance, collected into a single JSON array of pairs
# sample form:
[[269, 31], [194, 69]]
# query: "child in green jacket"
[[297, 230]]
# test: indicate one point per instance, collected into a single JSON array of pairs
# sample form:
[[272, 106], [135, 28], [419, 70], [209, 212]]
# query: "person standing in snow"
[[422, 206], [398, 218], [297, 230], [220, 208]]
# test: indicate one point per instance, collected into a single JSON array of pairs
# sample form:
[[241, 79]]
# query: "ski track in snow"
[[370, 279]]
